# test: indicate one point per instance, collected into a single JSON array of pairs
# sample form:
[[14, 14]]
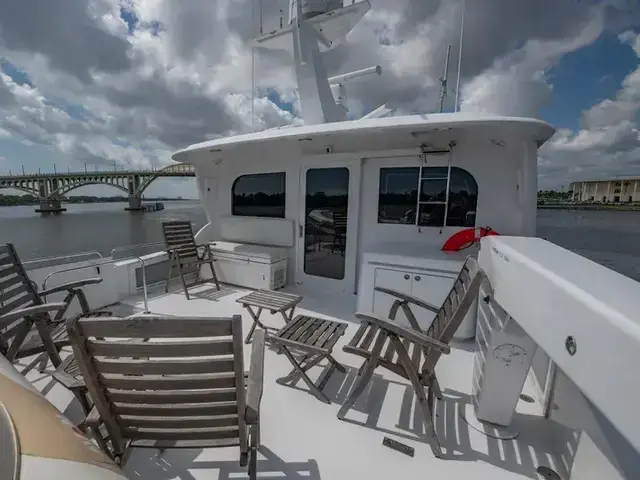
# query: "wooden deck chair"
[[26, 324], [186, 389], [409, 352], [183, 252]]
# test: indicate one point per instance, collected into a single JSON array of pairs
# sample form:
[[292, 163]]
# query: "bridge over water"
[[50, 188]]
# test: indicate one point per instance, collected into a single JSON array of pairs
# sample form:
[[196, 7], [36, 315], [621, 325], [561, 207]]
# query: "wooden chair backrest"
[[16, 291], [454, 308], [178, 236], [185, 384]]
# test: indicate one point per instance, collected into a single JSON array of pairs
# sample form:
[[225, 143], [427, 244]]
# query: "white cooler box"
[[253, 266]]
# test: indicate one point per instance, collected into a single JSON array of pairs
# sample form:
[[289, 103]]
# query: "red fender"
[[465, 238]]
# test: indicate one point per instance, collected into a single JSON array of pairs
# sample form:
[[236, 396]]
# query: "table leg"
[[338, 366], [312, 386], [294, 375], [256, 321]]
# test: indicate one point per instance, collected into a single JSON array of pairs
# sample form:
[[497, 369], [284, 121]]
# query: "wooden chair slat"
[[166, 382], [194, 348], [181, 434], [177, 422], [162, 327], [164, 367], [172, 397], [172, 410]]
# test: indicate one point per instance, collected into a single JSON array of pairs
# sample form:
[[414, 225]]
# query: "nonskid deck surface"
[[302, 437]]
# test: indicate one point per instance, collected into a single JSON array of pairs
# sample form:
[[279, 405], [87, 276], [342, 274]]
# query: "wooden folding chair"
[[409, 352], [183, 252], [26, 326], [178, 393]]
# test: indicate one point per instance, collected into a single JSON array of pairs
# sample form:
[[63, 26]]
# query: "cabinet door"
[[433, 289], [393, 280]]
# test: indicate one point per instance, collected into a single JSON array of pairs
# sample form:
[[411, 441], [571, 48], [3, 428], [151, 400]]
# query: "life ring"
[[465, 238]]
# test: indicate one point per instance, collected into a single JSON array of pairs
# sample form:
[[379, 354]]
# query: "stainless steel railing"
[[143, 266], [115, 257], [61, 260], [72, 269]]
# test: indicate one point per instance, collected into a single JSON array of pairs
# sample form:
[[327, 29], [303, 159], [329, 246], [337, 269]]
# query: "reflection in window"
[[398, 195], [259, 195], [403, 191]]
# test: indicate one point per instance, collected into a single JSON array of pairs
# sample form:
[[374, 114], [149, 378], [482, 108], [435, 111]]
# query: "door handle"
[[407, 276], [300, 230], [417, 278]]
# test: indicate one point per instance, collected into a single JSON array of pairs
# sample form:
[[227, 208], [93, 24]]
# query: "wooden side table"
[[275, 302], [316, 338]]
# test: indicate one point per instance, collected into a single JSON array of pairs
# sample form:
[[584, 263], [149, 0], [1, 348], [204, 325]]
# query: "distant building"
[[616, 190]]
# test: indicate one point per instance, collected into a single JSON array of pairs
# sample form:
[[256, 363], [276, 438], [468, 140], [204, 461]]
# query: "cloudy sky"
[[125, 82]]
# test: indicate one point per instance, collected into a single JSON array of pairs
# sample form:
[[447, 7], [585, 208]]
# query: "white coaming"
[[555, 294]]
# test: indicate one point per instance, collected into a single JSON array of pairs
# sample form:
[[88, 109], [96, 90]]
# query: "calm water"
[[89, 227], [607, 237]]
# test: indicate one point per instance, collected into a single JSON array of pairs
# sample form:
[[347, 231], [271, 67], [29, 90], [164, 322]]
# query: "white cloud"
[[103, 95], [608, 142]]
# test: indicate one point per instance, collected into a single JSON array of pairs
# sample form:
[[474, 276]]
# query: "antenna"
[[443, 80], [253, 65], [464, 4]]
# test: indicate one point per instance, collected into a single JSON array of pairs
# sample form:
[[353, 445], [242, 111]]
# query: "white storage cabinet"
[[252, 266], [425, 274]]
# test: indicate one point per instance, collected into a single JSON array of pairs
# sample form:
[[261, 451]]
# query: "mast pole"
[[443, 92], [253, 64], [457, 106]]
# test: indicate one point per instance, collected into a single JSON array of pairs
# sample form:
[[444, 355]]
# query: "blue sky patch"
[[274, 96], [586, 77], [16, 74]]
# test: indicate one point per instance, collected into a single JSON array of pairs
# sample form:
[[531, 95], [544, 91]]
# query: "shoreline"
[[578, 206], [35, 204]]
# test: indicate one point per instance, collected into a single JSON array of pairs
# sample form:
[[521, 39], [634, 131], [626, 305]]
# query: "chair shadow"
[[370, 402], [178, 463], [541, 442]]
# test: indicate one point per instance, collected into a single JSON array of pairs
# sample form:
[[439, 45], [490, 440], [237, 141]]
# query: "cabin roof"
[[411, 124]]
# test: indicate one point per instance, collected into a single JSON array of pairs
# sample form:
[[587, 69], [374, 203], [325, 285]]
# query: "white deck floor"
[[301, 436]]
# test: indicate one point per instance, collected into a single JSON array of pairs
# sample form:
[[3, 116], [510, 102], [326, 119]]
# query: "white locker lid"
[[260, 253]]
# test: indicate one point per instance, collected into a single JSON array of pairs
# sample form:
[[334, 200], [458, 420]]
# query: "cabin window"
[[259, 195], [405, 191]]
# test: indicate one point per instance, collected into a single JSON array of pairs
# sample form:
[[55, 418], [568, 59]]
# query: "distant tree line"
[[10, 200], [554, 196]]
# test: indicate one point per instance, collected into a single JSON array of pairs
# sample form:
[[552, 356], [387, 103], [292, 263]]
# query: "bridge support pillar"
[[50, 205], [135, 203]]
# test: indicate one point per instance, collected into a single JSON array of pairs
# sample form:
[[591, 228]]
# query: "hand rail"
[[138, 258], [140, 261], [95, 253], [71, 269], [142, 265], [132, 247]]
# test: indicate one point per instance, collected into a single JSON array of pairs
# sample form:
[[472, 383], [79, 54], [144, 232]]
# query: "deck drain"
[[526, 398], [546, 472]]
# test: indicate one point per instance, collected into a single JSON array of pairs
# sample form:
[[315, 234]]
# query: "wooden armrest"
[[70, 286], [256, 380], [29, 311], [409, 299], [93, 420], [406, 333]]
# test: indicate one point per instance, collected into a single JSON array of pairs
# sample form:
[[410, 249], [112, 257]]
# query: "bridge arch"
[[178, 169], [28, 190], [62, 191]]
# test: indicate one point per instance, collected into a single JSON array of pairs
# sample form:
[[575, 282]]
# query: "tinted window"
[[259, 195], [398, 195], [399, 199]]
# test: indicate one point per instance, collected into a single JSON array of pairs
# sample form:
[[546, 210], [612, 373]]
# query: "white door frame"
[[348, 283]]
